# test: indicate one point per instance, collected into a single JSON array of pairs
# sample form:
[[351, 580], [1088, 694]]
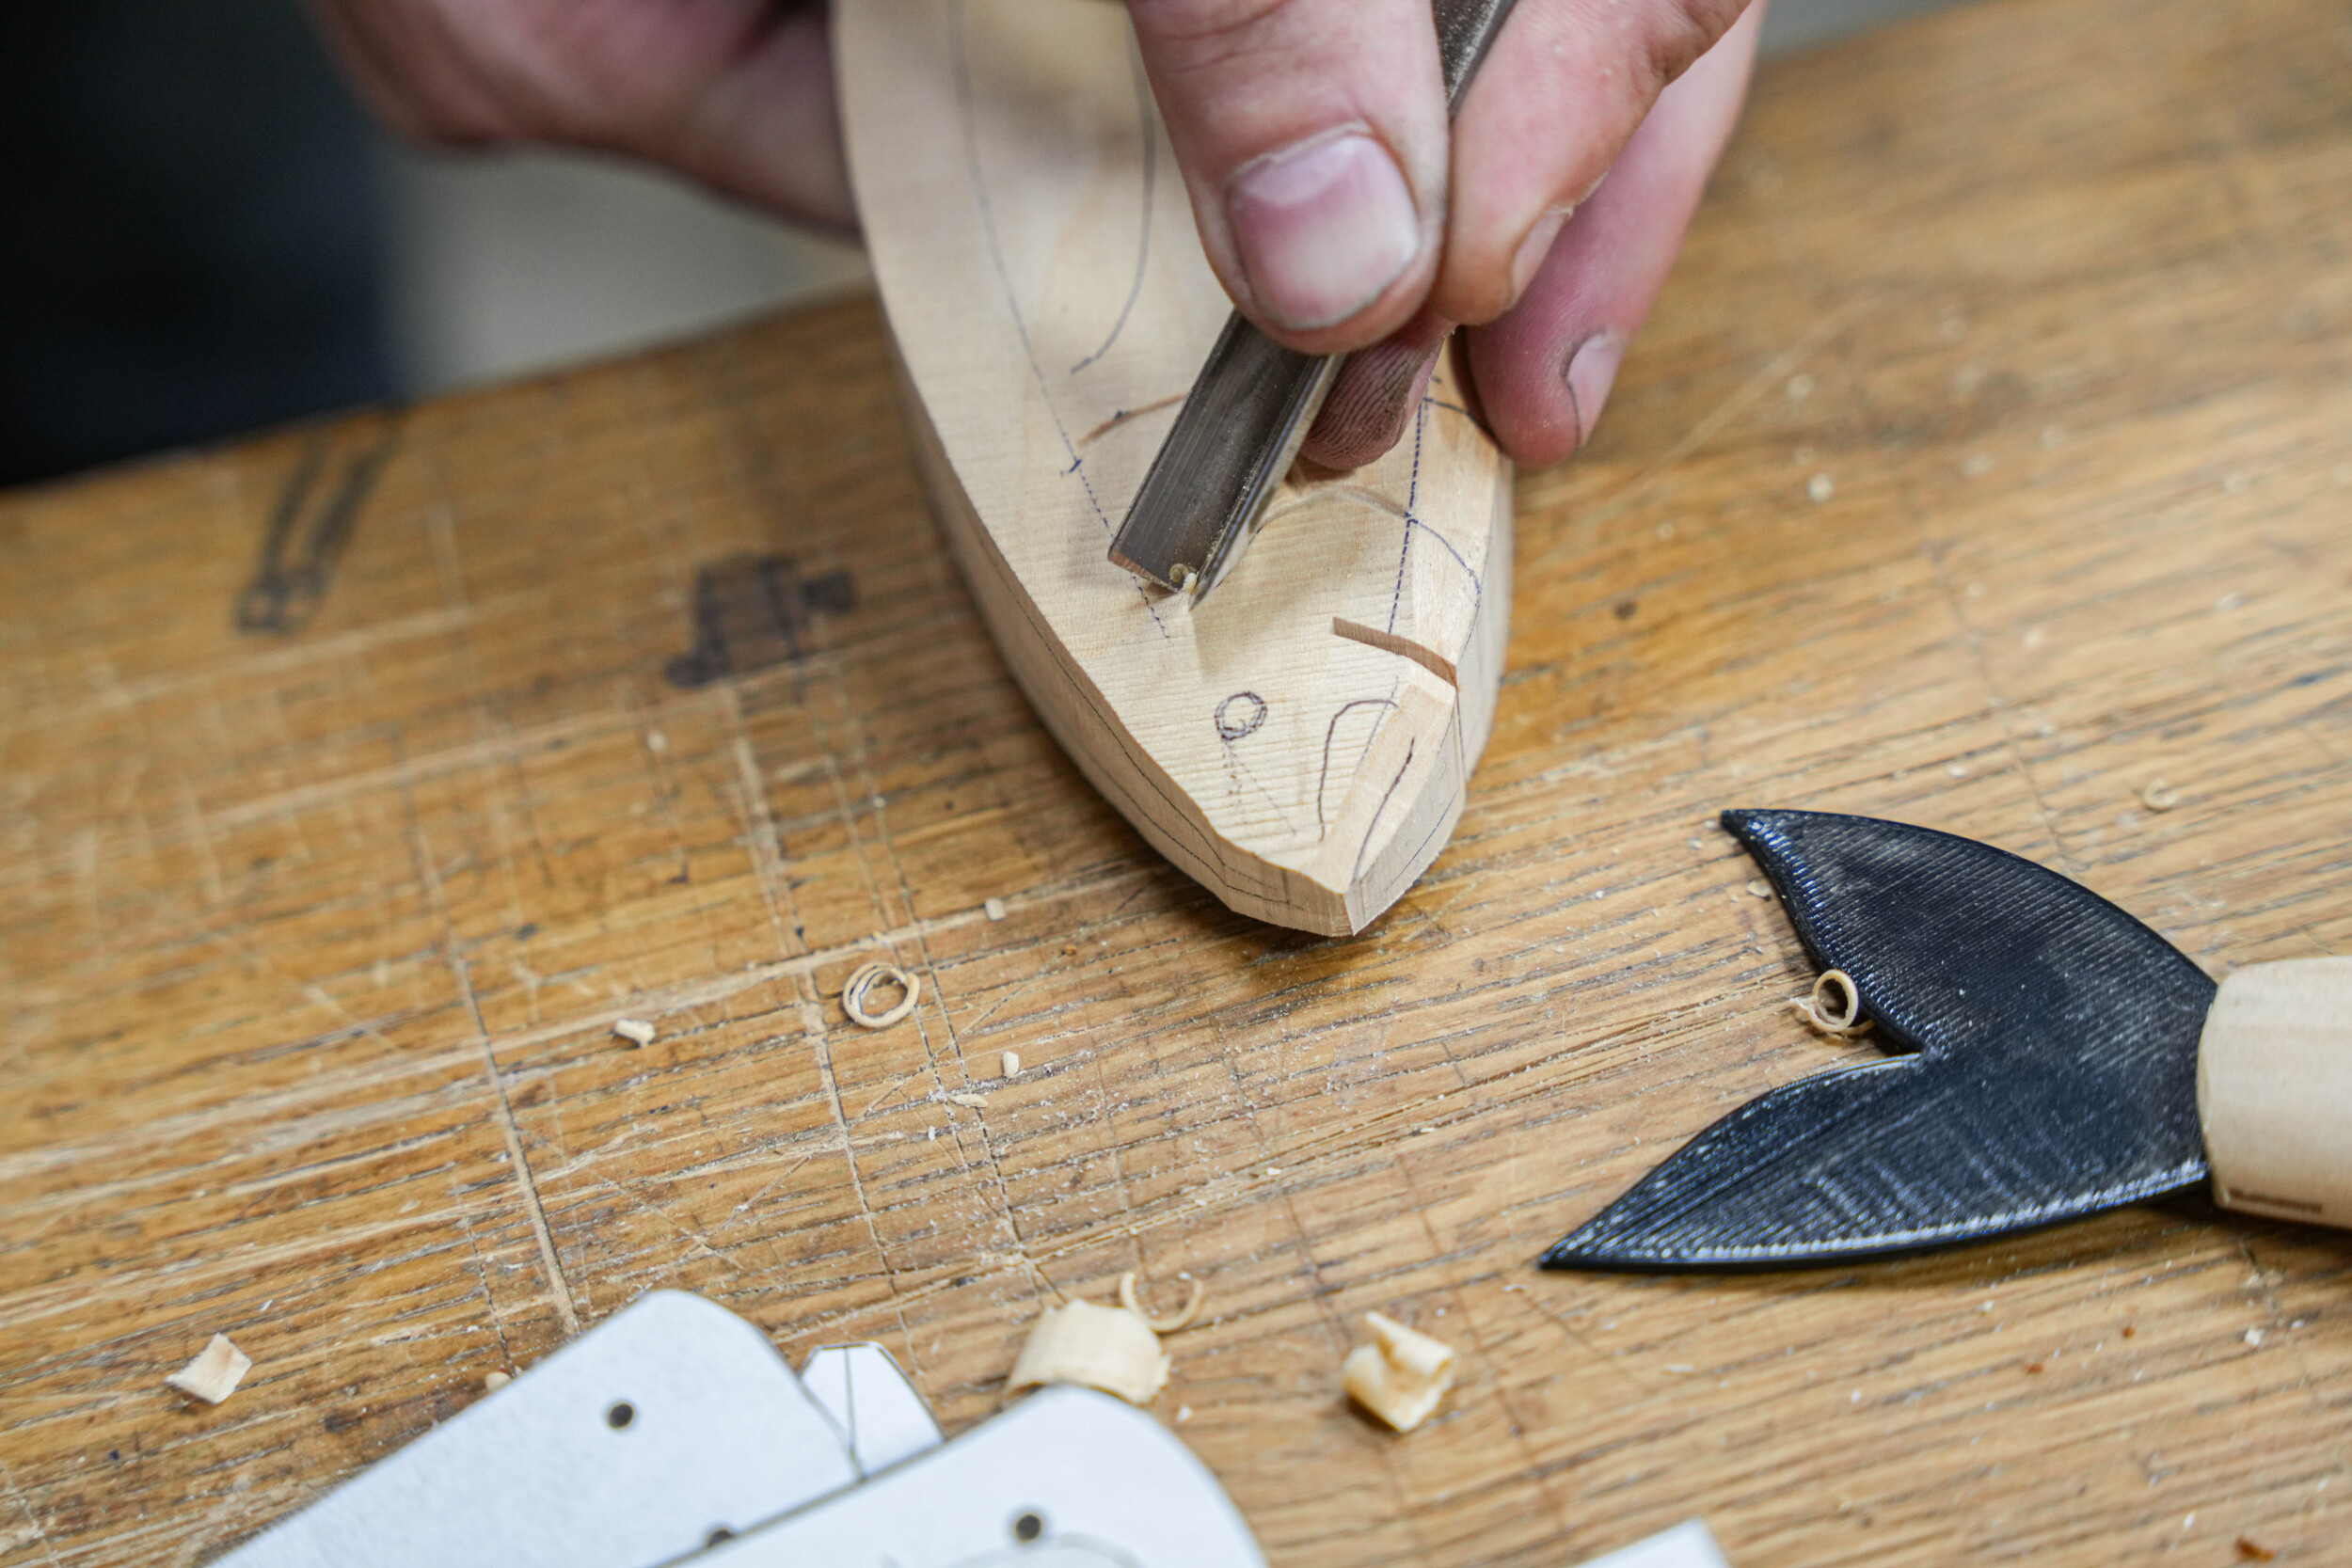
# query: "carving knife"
[[2054, 1057], [1252, 404]]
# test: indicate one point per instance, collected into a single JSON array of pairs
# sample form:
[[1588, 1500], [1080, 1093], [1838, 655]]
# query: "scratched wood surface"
[[1988, 463]]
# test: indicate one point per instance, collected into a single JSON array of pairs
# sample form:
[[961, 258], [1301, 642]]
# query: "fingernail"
[[1592, 370], [1533, 248], [1323, 229]]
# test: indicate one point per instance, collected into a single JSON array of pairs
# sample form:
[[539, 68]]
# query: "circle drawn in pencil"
[[1239, 716]]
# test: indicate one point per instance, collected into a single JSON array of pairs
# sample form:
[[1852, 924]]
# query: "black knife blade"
[[2047, 1066]]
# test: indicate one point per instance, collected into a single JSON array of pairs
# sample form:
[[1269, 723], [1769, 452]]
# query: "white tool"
[[1688, 1544], [674, 1431]]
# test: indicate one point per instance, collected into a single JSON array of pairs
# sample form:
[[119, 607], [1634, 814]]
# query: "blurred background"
[[205, 235]]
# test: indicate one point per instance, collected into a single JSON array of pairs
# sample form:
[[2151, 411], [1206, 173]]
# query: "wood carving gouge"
[[1252, 404]]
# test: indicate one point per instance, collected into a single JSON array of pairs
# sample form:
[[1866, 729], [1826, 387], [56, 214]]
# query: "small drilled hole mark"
[[620, 1415], [1027, 1527]]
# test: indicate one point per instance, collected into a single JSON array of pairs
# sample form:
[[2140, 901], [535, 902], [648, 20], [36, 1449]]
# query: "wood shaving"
[[1194, 1291], [993, 909], [1107, 1348], [1401, 1375], [2252, 1550], [215, 1372], [635, 1030], [969, 1101], [496, 1380], [2157, 794], [1761, 890], [1848, 1020], [863, 980], [1011, 1064]]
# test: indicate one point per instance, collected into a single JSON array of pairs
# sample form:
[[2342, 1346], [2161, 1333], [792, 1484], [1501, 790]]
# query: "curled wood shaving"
[[2158, 795], [1095, 1347], [1401, 1375], [215, 1372], [635, 1030], [862, 979], [1848, 1020], [1194, 1290]]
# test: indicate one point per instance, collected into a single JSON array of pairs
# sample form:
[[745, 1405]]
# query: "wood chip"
[[2157, 794], [1848, 1020], [1011, 1064], [1107, 1348], [1191, 1309], [861, 984], [635, 1030], [215, 1372], [1401, 1375], [2252, 1550], [493, 1382], [969, 1101], [993, 909]]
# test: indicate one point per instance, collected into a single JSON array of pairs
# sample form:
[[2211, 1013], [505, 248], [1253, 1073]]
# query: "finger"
[[1377, 390], [1311, 134], [1562, 92], [1544, 367], [737, 93], [412, 72], [768, 127]]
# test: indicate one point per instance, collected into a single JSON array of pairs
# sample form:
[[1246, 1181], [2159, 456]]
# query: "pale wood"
[[1301, 741], [2274, 1090], [311, 945]]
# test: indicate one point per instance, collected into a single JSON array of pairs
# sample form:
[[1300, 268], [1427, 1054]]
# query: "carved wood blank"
[[1300, 741]]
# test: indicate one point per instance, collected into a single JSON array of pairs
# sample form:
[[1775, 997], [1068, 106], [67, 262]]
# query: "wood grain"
[[1301, 741], [312, 941]]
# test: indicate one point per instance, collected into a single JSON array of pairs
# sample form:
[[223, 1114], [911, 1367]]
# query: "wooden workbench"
[[353, 780]]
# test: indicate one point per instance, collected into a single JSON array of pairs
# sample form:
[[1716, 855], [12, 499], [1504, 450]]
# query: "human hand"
[[1342, 213], [737, 93], [1333, 200]]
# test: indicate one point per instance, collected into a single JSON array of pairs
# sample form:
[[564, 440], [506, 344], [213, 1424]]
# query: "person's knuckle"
[[1682, 30]]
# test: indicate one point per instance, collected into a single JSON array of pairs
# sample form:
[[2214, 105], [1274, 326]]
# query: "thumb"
[[1312, 135]]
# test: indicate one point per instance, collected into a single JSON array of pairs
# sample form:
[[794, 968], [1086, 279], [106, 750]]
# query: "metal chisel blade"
[[1253, 403]]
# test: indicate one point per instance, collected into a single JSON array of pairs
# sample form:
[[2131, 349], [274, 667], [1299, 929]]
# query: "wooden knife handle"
[[2274, 1090]]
